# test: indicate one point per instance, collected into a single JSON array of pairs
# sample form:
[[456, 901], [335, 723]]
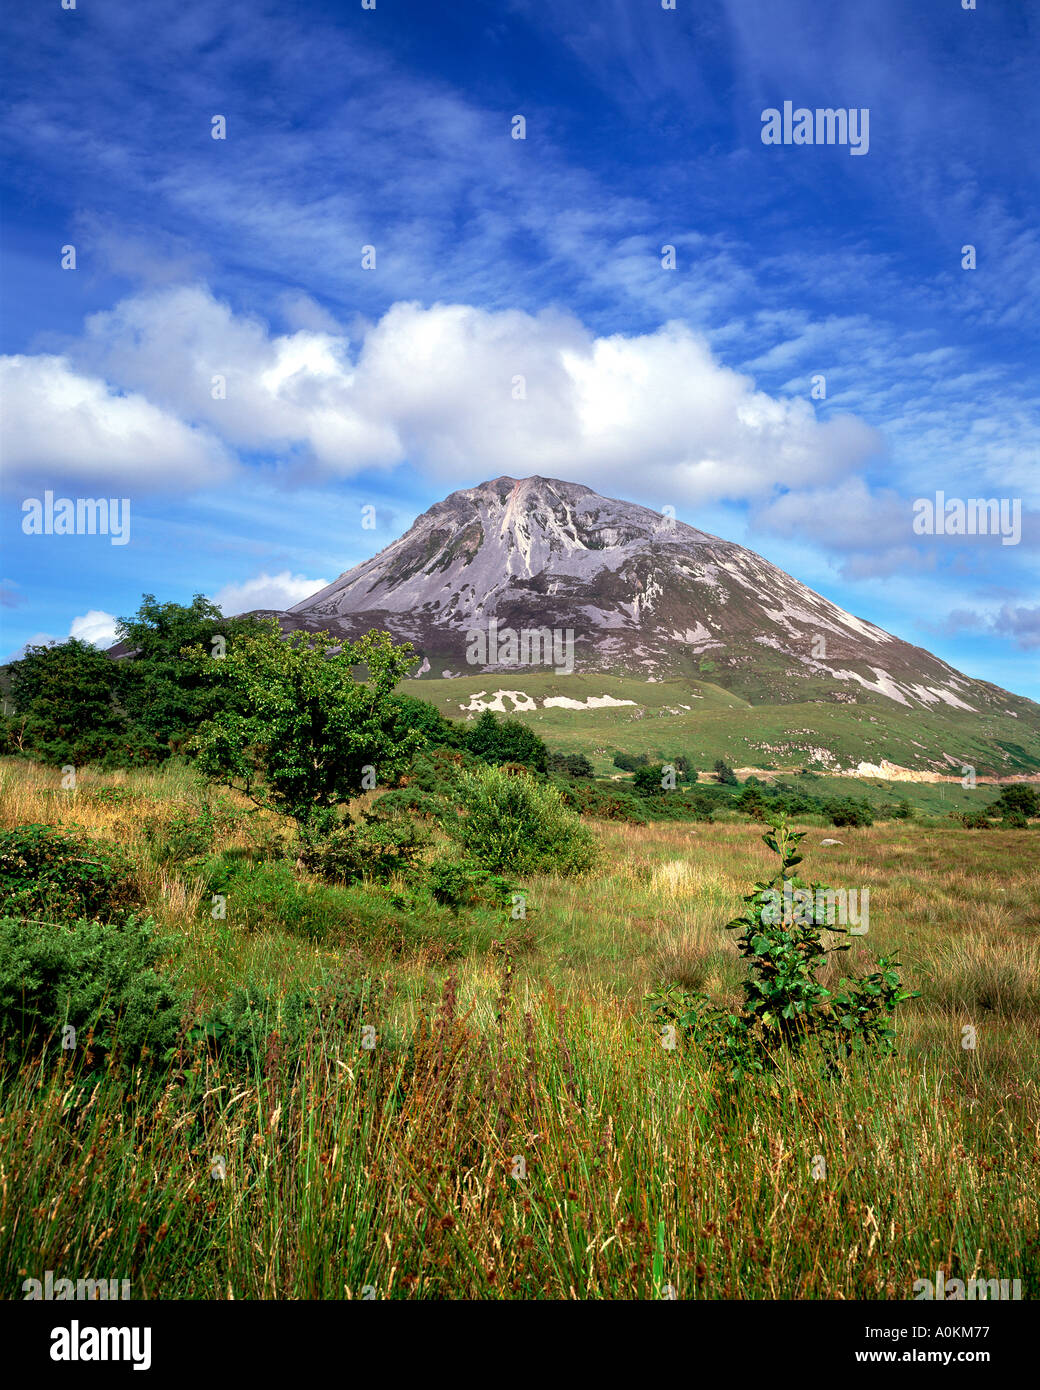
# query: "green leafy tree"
[[649, 781], [438, 731], [498, 741], [1020, 797], [64, 706], [725, 774], [165, 693], [313, 735]]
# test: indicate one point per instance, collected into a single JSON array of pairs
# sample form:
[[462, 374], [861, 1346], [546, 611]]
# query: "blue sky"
[[540, 258]]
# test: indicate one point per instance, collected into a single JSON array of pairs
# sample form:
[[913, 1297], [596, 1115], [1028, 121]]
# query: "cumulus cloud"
[[63, 427], [460, 392], [266, 591], [96, 627]]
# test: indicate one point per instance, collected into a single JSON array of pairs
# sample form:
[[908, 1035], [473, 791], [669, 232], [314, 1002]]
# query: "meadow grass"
[[518, 1130]]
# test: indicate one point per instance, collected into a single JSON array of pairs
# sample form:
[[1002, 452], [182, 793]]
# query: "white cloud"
[[64, 428], [95, 626], [436, 387], [266, 591]]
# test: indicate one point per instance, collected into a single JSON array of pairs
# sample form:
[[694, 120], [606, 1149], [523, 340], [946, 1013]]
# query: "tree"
[[506, 741], [751, 801], [1018, 796], [312, 735], [418, 714], [63, 701], [570, 764], [725, 774], [163, 691], [649, 781]]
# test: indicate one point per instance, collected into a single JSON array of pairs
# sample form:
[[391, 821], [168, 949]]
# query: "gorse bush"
[[61, 875], [785, 1005], [515, 825], [101, 979]]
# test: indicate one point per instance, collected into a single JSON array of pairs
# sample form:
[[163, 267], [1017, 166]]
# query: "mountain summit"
[[641, 593]]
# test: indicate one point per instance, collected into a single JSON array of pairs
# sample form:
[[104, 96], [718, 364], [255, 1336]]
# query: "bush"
[[187, 835], [100, 979], [376, 850], [262, 896], [61, 875], [463, 883], [570, 765], [1017, 797], [848, 812], [516, 825], [604, 801], [630, 762]]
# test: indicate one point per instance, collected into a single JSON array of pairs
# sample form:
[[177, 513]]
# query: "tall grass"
[[518, 1129]]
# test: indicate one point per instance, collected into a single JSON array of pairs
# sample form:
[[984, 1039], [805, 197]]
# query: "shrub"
[[630, 762], [604, 801], [99, 978], [517, 825], [464, 883], [376, 850], [1017, 797], [58, 874], [848, 812], [785, 1005], [570, 764]]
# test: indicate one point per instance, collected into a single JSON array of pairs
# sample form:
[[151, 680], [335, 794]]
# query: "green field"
[[720, 724]]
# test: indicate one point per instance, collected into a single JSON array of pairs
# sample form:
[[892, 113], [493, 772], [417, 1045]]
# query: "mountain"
[[647, 598], [641, 593]]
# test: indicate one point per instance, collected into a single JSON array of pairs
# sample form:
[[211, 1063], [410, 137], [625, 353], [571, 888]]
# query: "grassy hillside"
[[720, 724], [394, 1167]]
